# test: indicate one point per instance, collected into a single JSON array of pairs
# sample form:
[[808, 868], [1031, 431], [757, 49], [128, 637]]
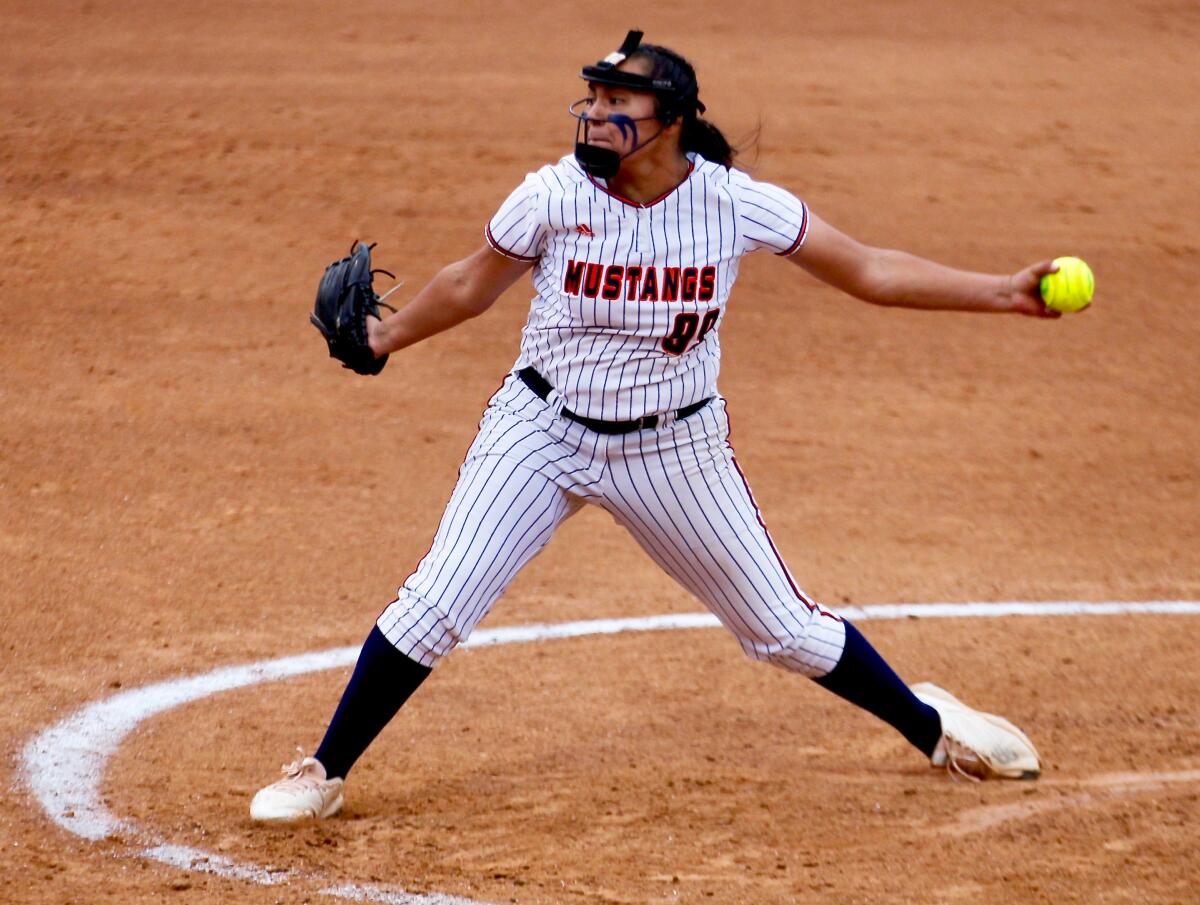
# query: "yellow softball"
[[1070, 288]]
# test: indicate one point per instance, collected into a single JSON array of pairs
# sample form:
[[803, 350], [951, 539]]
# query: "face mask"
[[604, 163]]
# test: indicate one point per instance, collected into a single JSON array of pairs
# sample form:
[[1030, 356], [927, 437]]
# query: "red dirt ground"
[[180, 463]]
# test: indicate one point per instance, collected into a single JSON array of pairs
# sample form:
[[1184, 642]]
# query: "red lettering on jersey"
[[573, 278], [708, 283], [613, 277], [632, 276], [670, 284], [591, 283], [689, 284], [641, 284], [649, 286]]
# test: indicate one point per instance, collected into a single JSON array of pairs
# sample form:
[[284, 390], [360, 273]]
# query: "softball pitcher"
[[634, 243]]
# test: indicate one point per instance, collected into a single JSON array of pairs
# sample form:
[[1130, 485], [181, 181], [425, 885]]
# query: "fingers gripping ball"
[[1070, 288], [345, 298]]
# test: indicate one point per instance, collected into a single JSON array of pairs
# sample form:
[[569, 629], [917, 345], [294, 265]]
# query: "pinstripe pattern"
[[598, 338], [606, 356], [678, 491]]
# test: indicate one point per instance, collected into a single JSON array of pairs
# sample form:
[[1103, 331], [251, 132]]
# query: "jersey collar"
[[600, 184]]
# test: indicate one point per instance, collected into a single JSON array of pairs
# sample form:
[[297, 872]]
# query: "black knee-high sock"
[[382, 681], [863, 678]]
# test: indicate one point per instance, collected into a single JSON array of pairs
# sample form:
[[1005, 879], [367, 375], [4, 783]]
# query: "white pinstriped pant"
[[678, 491]]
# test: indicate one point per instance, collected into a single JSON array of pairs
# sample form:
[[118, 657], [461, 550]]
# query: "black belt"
[[541, 386]]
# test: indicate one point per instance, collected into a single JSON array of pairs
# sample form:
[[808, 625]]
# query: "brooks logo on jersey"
[[640, 284]]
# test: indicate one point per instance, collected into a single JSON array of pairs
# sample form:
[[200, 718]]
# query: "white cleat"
[[303, 794], [976, 744]]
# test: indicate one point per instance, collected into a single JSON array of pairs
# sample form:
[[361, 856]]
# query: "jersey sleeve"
[[515, 230], [769, 218]]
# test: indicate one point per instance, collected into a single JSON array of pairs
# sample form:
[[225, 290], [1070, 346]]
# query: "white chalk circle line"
[[64, 764]]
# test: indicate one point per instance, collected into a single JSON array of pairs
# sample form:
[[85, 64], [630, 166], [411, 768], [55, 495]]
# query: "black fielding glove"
[[344, 299]]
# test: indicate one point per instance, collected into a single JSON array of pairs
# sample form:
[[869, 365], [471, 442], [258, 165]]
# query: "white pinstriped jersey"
[[630, 296]]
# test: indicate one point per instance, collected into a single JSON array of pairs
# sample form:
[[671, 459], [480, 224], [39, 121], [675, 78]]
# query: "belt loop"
[[556, 401], [542, 388], [667, 420]]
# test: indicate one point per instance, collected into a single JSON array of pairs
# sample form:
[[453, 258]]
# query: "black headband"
[[606, 72]]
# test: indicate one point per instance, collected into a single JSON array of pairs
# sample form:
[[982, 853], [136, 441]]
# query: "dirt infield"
[[181, 465]]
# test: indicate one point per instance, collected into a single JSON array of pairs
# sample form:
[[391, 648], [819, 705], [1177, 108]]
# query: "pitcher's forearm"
[[895, 278], [446, 301], [903, 280]]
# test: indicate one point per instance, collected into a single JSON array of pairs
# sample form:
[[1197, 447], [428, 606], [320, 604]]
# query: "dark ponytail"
[[698, 135], [707, 140]]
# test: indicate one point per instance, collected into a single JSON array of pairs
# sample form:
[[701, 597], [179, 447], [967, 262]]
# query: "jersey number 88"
[[688, 325]]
